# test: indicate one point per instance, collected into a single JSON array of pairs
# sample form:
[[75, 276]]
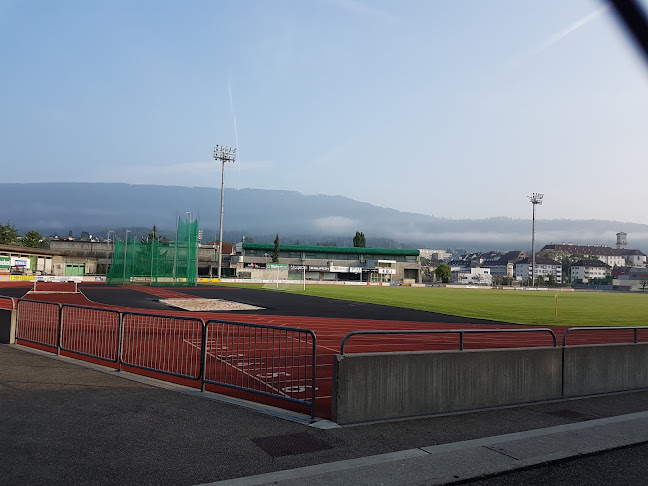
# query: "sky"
[[456, 109]]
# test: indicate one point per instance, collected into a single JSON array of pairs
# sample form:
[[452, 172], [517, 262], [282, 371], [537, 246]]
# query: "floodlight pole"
[[224, 154], [125, 250], [189, 244], [534, 199], [108, 252]]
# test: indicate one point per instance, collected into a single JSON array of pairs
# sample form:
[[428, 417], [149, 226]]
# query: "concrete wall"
[[605, 368], [381, 386]]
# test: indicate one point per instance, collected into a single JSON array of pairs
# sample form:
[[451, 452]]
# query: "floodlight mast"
[[224, 154], [534, 199]]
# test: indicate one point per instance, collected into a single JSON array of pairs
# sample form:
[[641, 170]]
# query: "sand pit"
[[198, 304]]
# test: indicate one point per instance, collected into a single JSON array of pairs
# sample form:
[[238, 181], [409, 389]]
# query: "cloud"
[[561, 34], [335, 224]]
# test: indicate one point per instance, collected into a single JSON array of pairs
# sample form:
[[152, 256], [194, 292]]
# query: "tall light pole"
[[108, 252], [125, 250], [189, 243], [224, 154], [534, 199]]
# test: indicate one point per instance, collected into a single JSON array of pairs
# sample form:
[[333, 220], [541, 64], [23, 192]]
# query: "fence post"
[[120, 345], [203, 355], [313, 377], [60, 329]]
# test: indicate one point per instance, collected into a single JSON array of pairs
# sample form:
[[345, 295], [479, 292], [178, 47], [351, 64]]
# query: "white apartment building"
[[584, 270], [543, 268]]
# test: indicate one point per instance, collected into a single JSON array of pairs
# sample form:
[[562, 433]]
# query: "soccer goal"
[[285, 285]]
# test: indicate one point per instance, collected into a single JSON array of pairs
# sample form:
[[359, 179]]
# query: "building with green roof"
[[254, 260]]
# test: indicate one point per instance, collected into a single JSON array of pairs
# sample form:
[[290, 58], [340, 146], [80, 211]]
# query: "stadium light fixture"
[[224, 154], [534, 199]]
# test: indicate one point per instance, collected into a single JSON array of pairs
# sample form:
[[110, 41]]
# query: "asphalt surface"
[[622, 466], [68, 422], [275, 303]]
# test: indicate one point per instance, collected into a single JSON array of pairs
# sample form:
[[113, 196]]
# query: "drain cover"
[[290, 444], [570, 414]]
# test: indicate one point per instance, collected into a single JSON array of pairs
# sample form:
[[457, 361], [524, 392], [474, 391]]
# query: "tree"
[[152, 256], [275, 251], [359, 240], [644, 284], [443, 272], [8, 234], [32, 239], [552, 280]]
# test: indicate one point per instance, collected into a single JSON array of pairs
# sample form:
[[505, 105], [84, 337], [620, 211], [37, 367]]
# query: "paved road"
[[622, 467]]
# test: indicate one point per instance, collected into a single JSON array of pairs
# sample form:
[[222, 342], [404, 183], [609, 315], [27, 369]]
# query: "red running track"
[[330, 333]]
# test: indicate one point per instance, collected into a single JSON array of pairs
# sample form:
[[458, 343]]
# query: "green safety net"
[[150, 261]]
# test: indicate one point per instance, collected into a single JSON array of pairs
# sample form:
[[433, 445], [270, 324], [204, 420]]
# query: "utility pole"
[[534, 199], [224, 154]]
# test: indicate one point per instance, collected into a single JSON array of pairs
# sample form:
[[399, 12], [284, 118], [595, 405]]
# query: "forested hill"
[[97, 207]]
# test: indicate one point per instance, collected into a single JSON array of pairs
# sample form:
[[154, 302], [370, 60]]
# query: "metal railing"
[[274, 361], [166, 344], [635, 330], [460, 332], [91, 332], [7, 300], [39, 323]]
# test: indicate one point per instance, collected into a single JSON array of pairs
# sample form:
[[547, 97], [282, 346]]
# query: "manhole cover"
[[290, 444], [570, 414]]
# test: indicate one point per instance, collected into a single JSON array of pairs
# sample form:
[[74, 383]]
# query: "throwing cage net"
[[154, 262]]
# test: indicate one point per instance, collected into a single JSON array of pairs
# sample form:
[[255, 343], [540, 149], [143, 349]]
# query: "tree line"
[[9, 236]]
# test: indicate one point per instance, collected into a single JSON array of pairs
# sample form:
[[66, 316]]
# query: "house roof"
[[538, 261], [27, 250], [590, 263], [331, 249]]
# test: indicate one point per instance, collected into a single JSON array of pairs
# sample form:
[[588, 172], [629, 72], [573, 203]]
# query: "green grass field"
[[520, 307]]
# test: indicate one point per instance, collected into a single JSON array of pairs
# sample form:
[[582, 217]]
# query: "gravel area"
[[197, 304]]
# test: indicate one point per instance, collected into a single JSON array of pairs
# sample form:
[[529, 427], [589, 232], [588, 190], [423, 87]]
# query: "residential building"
[[544, 267], [504, 266], [440, 255], [585, 270], [611, 256]]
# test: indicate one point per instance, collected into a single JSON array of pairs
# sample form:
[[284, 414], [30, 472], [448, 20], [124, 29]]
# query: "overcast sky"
[[458, 109]]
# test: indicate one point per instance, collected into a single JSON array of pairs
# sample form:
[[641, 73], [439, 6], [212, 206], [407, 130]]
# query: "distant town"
[[555, 265]]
